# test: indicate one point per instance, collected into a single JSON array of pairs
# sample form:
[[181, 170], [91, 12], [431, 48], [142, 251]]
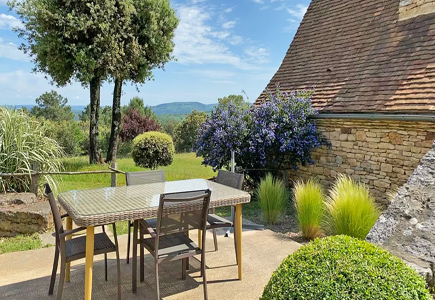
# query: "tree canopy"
[[236, 100], [52, 106], [186, 133]]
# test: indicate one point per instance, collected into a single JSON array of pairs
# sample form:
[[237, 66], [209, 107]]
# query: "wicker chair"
[[169, 240], [142, 177], [75, 248], [214, 221]]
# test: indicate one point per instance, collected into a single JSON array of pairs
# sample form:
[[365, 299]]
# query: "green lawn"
[[185, 166]]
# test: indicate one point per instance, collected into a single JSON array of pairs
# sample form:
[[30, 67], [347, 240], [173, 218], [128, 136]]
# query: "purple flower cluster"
[[275, 135]]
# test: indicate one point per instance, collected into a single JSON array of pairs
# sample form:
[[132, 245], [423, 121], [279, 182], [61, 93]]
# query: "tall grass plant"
[[22, 142], [273, 197], [309, 202], [351, 210]]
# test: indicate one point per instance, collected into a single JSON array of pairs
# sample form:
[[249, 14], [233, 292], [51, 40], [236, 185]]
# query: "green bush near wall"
[[341, 267], [153, 149]]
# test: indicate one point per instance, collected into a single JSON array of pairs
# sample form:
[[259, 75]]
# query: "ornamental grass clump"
[[23, 141], [273, 196], [351, 210], [309, 202], [345, 268]]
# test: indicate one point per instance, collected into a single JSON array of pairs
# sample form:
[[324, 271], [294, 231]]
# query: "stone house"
[[372, 65]]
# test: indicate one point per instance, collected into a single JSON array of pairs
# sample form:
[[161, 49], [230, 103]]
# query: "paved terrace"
[[26, 275]]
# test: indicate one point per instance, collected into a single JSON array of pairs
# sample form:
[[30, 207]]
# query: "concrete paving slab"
[[26, 275]]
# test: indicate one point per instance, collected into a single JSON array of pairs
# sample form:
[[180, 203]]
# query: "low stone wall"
[[382, 154], [23, 213], [407, 227]]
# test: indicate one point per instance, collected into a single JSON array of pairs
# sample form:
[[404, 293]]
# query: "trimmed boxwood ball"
[[153, 149], [341, 267]]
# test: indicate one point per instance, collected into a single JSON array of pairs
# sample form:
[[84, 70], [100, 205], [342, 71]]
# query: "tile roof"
[[359, 57]]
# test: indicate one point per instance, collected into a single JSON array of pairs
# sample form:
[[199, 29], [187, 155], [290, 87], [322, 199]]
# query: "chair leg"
[[183, 268], [54, 271], [105, 266], [118, 263], [62, 278], [142, 255], [204, 278], [128, 242], [156, 266], [215, 240]]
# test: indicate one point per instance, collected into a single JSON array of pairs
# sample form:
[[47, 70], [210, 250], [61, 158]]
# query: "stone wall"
[[382, 154], [413, 8]]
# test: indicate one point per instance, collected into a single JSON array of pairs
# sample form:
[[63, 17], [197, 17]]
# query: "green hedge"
[[341, 267], [153, 149]]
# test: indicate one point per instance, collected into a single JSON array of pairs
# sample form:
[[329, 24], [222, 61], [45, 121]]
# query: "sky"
[[222, 48]]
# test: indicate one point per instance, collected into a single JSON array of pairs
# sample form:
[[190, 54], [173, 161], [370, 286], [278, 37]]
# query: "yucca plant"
[[23, 142], [351, 210], [273, 196], [309, 202]]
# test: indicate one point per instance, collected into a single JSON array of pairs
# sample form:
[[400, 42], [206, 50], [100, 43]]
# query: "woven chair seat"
[[76, 248], [214, 221], [174, 244]]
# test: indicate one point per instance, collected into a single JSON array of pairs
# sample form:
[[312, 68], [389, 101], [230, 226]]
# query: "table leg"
[[89, 261], [68, 225], [200, 238], [134, 258], [238, 229]]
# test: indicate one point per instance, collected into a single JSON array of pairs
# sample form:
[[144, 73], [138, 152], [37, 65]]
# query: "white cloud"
[[258, 1], [229, 24], [11, 51], [258, 55], [298, 12], [9, 22], [196, 42], [228, 10]]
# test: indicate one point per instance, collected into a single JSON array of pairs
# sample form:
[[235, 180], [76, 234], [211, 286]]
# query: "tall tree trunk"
[[116, 121], [94, 116]]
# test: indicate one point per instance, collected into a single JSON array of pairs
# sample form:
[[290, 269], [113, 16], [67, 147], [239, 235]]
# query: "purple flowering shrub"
[[276, 135]]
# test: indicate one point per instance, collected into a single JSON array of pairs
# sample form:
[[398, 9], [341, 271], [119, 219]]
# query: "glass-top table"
[[89, 208]]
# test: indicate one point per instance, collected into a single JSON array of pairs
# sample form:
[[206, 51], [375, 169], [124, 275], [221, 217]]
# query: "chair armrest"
[[147, 228], [65, 233], [64, 216]]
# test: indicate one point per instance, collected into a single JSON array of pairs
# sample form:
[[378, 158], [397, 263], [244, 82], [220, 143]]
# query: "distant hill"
[[183, 108]]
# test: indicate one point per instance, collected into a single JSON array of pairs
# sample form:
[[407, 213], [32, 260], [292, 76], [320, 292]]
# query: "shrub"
[[133, 124], [23, 141], [272, 194], [153, 149], [278, 134], [309, 199], [351, 210], [342, 267], [186, 132], [67, 134]]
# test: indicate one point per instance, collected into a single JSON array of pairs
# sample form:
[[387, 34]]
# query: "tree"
[[81, 40], [169, 127], [186, 133], [52, 106], [134, 124], [236, 100], [137, 104], [149, 43]]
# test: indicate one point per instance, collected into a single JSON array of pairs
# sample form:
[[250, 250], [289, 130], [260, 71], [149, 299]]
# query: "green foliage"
[[309, 203], [23, 141], [20, 243], [153, 149], [344, 268], [186, 133], [137, 104], [52, 106], [351, 210], [236, 100], [169, 127], [273, 196], [67, 134]]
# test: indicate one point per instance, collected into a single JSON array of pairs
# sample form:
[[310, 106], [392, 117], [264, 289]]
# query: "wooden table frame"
[[229, 196], [237, 232]]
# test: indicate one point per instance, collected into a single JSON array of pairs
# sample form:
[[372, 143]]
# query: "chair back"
[[180, 212], [144, 177], [58, 226], [230, 179]]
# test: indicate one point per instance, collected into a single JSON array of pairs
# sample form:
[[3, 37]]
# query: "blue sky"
[[222, 48]]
